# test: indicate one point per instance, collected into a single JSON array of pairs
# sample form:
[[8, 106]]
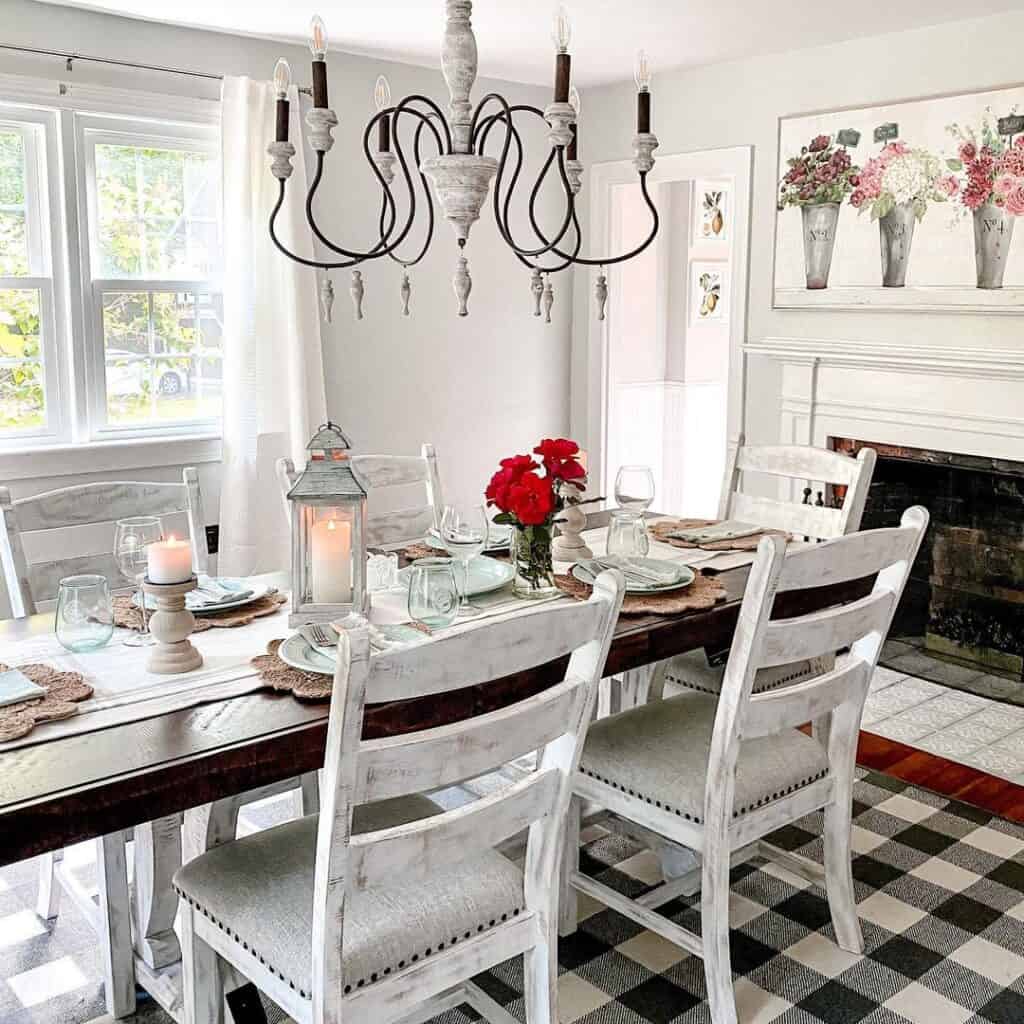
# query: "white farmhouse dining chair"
[[29, 585], [384, 471], [384, 907], [718, 775], [802, 467]]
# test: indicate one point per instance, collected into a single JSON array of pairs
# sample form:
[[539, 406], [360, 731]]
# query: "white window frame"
[[67, 441], [39, 130], [90, 131]]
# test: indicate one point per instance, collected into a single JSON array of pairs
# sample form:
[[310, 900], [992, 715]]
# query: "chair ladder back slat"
[[787, 707], [415, 851], [389, 470], [507, 646], [386, 528], [857, 556], [799, 520], [434, 758], [809, 636], [799, 462], [103, 502]]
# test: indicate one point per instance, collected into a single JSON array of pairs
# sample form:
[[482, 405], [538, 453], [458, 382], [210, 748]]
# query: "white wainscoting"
[[679, 430]]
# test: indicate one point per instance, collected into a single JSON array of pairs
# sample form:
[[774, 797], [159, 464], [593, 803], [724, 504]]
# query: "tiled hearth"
[[952, 723]]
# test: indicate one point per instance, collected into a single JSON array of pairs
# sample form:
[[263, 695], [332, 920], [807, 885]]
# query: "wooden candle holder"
[[568, 546], [171, 625]]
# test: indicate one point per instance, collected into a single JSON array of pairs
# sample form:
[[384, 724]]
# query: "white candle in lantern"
[[331, 562], [169, 561]]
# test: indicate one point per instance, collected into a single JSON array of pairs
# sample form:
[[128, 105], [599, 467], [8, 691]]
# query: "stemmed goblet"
[[132, 536], [464, 535]]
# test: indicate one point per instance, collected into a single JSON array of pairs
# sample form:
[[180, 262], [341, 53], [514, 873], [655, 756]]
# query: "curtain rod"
[[71, 57]]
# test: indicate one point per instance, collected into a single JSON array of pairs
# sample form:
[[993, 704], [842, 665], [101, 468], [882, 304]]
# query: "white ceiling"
[[514, 35]]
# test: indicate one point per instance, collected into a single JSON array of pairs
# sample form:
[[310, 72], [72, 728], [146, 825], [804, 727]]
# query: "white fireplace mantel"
[[961, 399]]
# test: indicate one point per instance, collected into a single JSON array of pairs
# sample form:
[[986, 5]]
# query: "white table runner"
[[124, 691]]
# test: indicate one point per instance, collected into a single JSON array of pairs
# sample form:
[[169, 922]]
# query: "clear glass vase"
[[531, 556]]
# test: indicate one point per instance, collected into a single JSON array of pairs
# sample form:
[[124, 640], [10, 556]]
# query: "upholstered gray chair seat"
[[691, 671], [659, 753], [260, 891]]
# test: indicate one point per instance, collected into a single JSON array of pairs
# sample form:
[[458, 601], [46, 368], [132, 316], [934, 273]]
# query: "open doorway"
[[666, 365]]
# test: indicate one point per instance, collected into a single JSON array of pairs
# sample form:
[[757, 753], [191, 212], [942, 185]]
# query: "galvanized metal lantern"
[[328, 533]]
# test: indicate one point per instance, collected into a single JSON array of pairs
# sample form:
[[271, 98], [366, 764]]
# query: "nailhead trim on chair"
[[792, 678], [737, 812], [362, 981]]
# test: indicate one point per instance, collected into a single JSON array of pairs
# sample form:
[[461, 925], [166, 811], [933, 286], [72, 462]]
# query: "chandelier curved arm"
[[384, 246], [505, 116], [426, 192], [317, 264]]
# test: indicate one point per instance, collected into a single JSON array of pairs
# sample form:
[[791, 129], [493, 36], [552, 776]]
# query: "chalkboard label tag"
[[1012, 125], [885, 132], [848, 137]]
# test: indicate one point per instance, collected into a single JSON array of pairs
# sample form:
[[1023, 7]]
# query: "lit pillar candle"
[[169, 561], [331, 562]]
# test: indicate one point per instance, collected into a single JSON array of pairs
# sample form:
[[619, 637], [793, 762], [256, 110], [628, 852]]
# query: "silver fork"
[[321, 637]]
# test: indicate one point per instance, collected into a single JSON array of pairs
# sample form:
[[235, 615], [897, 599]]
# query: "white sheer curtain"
[[273, 363]]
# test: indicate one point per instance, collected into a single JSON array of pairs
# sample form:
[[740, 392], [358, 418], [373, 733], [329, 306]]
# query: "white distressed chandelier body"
[[459, 167]]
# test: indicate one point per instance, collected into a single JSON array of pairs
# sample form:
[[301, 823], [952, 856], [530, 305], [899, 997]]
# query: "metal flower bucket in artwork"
[[896, 232], [820, 221], [993, 231]]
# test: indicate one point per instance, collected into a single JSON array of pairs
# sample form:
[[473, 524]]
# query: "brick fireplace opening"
[[965, 596]]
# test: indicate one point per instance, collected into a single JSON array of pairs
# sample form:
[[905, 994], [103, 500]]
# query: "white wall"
[[478, 387], [740, 103]]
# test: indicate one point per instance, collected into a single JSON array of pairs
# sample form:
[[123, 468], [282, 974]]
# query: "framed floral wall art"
[[906, 206]]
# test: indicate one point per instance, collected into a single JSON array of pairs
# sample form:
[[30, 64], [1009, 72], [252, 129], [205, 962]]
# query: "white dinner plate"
[[248, 590], [299, 653], [485, 575], [686, 577]]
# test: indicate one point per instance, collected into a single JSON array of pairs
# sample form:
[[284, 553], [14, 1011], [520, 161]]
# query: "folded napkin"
[[651, 571], [211, 592], [730, 529], [16, 687]]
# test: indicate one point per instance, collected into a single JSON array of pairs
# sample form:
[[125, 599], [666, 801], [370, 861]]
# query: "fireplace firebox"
[[965, 596]]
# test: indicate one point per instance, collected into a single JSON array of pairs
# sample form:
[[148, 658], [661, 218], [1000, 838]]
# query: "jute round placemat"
[[308, 686], [128, 615], [666, 526], [63, 692], [703, 592]]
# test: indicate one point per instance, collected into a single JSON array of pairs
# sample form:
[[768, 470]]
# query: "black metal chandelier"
[[459, 167]]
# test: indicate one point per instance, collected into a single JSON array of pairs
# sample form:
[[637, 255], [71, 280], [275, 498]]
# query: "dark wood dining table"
[[77, 787]]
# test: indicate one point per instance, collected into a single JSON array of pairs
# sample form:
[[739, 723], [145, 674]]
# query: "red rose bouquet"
[[529, 494]]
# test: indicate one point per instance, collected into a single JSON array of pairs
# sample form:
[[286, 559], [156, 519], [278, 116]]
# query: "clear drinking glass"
[[634, 488], [464, 535], [85, 613], [627, 534], [433, 593], [132, 537]]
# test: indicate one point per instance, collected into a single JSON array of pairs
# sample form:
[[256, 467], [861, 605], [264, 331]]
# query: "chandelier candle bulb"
[[318, 47], [382, 98], [169, 561], [642, 76], [282, 81]]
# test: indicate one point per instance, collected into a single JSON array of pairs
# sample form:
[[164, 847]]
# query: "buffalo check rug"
[[940, 891]]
